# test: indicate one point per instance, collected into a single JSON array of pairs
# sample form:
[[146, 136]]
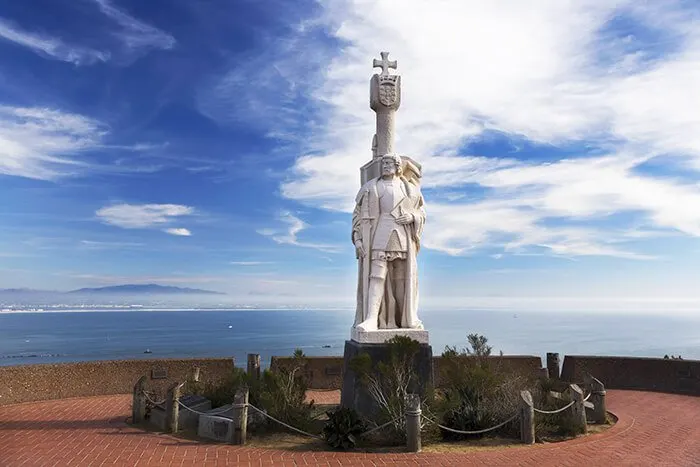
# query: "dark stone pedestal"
[[354, 395]]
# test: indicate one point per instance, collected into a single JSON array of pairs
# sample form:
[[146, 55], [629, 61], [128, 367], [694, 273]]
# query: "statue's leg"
[[377, 277], [399, 284]]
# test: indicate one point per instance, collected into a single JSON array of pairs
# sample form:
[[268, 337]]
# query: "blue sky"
[[217, 144]]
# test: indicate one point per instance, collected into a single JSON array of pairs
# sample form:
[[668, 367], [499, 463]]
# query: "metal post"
[[413, 416], [578, 410], [527, 418], [138, 405], [240, 402], [172, 407]]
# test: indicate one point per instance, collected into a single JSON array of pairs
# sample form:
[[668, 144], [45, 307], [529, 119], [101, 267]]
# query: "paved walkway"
[[653, 430]]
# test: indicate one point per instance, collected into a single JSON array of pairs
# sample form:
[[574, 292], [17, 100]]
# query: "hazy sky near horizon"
[[216, 144]]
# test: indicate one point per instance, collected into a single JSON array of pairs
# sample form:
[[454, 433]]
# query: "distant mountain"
[[25, 291], [150, 289]]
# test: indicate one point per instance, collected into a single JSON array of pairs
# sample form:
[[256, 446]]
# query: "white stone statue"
[[387, 224]]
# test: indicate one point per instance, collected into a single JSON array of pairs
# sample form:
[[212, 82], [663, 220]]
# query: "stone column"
[[599, 411], [138, 405], [413, 415], [172, 407], [527, 418], [240, 404], [385, 100], [578, 410], [553, 365], [253, 366]]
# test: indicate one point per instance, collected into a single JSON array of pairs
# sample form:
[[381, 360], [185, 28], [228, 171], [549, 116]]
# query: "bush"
[[343, 428], [389, 382], [282, 393], [219, 392], [475, 394]]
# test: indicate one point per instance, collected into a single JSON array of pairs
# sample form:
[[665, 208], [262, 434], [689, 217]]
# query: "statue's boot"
[[374, 301]]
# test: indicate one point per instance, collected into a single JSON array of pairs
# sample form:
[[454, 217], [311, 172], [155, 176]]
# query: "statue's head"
[[391, 164]]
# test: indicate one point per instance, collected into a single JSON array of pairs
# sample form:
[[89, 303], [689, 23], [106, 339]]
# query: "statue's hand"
[[360, 249], [404, 219]]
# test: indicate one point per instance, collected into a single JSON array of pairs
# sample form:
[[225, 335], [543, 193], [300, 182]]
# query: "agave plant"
[[343, 428]]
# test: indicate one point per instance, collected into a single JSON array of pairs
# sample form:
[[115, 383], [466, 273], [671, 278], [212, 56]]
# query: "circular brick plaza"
[[653, 429]]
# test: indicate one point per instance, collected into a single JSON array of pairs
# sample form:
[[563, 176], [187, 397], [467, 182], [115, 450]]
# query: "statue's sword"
[[366, 243]]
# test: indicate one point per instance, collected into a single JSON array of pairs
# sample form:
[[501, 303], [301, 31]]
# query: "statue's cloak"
[[365, 218]]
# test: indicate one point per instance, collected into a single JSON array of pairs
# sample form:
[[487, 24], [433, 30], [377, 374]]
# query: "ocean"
[[50, 337]]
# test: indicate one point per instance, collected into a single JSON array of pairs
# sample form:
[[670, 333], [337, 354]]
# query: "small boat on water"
[[326, 346], [147, 351]]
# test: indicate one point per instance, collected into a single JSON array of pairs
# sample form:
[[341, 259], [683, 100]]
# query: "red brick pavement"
[[654, 429]]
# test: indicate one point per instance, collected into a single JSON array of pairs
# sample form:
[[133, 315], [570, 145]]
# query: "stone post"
[[553, 365], [253, 366], [527, 418], [172, 407], [413, 416], [578, 410], [240, 404], [599, 411], [138, 405]]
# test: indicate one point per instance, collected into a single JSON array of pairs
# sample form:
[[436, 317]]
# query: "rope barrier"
[[549, 412], [475, 432], [152, 401], [234, 406], [380, 426], [284, 424]]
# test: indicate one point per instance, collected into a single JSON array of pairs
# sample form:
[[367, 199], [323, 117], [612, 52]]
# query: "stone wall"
[[323, 372], [649, 374], [327, 372], [525, 365], [28, 383]]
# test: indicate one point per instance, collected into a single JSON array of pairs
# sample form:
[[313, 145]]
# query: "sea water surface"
[[51, 337]]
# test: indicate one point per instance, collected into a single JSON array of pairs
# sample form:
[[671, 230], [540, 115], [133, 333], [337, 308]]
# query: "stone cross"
[[385, 100], [384, 63]]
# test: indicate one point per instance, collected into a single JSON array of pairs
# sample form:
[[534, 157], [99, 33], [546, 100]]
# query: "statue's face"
[[388, 166]]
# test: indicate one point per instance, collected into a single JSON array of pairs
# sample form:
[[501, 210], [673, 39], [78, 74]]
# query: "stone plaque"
[[159, 373], [216, 428]]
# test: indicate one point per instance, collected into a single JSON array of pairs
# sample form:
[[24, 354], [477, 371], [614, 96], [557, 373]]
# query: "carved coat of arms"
[[387, 94]]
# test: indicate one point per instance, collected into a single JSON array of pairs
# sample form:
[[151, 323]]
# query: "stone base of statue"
[[354, 394], [382, 335]]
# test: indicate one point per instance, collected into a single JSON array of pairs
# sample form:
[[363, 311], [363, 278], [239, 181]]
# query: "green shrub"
[[389, 382], [218, 392], [343, 428], [475, 393], [282, 393]]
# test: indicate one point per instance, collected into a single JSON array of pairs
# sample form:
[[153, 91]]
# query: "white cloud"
[[96, 245], [179, 232], [136, 34], [42, 143], [134, 37], [289, 236], [554, 73], [249, 263], [50, 47], [142, 216]]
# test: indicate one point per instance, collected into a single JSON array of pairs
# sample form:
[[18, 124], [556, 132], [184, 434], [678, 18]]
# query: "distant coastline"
[[155, 309]]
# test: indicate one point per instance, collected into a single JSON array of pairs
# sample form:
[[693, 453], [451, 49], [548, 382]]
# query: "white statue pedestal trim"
[[380, 336]]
